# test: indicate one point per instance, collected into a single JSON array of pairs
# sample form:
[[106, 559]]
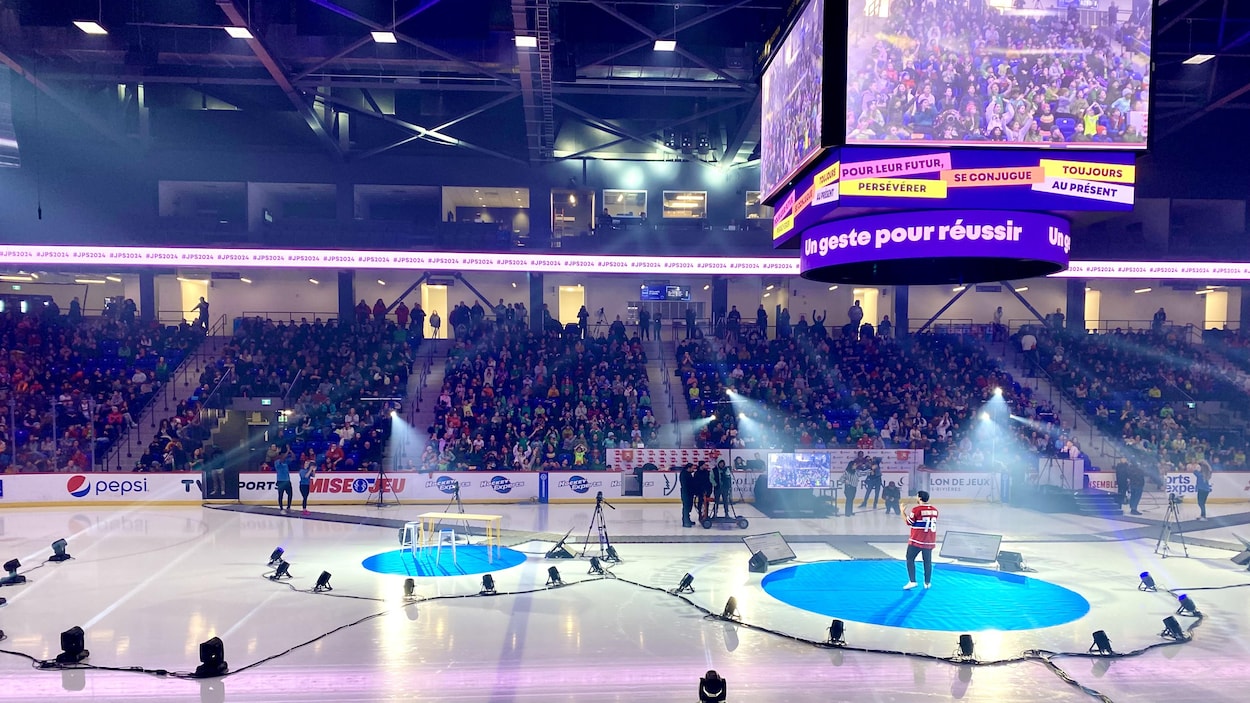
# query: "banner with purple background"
[[936, 246]]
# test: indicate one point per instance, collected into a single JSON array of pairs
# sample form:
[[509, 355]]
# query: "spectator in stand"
[[886, 328], [402, 314], [583, 322], [379, 311], [733, 324], [761, 322], [201, 309], [690, 323], [856, 316], [362, 312], [436, 323], [1158, 321], [644, 323]]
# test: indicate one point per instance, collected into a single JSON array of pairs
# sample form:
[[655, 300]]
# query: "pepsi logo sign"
[[78, 486]]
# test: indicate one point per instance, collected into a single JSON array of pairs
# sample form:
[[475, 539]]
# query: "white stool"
[[413, 537], [409, 536], [446, 537]]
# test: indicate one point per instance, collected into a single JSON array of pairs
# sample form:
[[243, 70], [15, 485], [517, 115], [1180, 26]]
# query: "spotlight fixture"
[[612, 555], [58, 551], [712, 688], [1147, 582], [488, 585], [686, 585], [410, 587], [837, 631], [525, 42], [282, 571], [276, 556], [665, 45], [998, 392], [966, 647], [1102, 643], [553, 577], [1187, 606], [596, 567], [11, 577], [384, 37], [323, 583], [1172, 630], [731, 609], [239, 33], [212, 659], [73, 646]]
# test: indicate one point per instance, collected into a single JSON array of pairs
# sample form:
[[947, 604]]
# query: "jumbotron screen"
[[792, 110], [1065, 74]]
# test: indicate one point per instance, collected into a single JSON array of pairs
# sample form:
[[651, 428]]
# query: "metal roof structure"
[[522, 80]]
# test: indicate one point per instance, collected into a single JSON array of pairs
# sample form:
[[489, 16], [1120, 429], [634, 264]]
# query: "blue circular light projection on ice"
[[469, 559], [962, 599]]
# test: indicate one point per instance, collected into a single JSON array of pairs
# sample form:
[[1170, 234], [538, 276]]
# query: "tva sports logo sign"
[[81, 486], [336, 485]]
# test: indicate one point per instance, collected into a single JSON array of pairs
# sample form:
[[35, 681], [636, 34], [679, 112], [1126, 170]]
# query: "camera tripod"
[[383, 485], [1171, 527], [1049, 465], [606, 550]]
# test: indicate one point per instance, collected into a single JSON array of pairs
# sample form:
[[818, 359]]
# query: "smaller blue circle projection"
[[962, 599], [469, 559]]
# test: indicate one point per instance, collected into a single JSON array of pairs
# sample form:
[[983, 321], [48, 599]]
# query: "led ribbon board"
[[936, 246]]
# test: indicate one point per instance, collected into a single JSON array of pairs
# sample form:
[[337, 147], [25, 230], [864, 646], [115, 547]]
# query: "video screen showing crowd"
[[792, 103], [970, 72]]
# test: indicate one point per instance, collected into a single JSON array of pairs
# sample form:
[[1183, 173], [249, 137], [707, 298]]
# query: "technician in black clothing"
[[872, 484], [685, 480], [1136, 484], [702, 487]]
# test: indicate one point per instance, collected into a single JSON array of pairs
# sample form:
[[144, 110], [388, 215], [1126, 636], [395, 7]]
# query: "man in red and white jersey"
[[922, 519]]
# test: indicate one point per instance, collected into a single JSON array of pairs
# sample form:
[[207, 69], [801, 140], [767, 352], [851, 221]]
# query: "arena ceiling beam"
[[459, 60], [366, 39], [88, 118], [680, 50], [1174, 127], [438, 130], [688, 24], [418, 131], [295, 95], [1184, 14], [647, 140], [749, 123]]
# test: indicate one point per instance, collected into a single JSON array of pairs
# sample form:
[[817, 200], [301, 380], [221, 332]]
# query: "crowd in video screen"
[[800, 470], [971, 72], [792, 99]]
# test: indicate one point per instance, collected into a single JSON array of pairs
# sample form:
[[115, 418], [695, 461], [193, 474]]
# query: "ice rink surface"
[[149, 584]]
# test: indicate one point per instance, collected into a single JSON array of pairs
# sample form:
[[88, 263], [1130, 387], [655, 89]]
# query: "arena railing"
[[288, 315]]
